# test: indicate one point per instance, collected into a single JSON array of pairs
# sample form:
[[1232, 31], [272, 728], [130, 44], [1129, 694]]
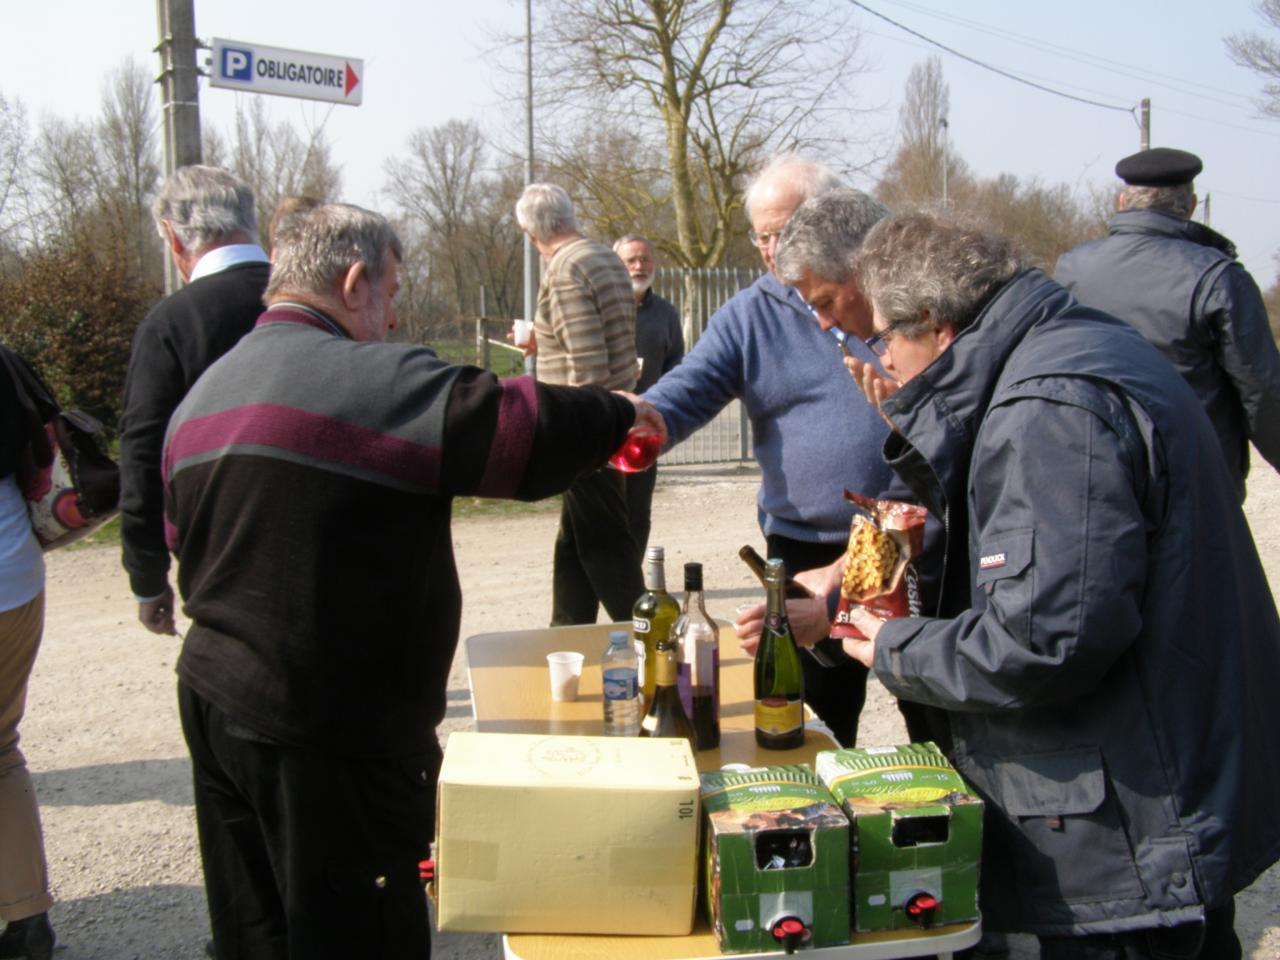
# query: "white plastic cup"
[[520, 330], [565, 669]]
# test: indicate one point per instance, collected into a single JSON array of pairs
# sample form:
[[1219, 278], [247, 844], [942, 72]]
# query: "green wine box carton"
[[776, 858], [916, 833]]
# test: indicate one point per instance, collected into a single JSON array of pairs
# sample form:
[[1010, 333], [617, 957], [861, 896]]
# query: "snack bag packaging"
[[880, 570]]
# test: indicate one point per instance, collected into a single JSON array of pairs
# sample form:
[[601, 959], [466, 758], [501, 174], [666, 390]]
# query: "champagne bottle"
[[666, 717], [779, 681], [827, 652], [653, 615], [698, 670]]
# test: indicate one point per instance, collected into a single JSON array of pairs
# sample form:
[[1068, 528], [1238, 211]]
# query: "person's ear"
[[1122, 201], [171, 239], [1194, 202], [355, 286], [946, 334]]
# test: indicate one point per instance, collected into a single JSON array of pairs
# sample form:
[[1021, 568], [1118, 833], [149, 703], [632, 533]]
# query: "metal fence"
[[697, 294]]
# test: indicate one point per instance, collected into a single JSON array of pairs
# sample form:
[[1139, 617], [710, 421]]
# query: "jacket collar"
[[288, 311], [1167, 225]]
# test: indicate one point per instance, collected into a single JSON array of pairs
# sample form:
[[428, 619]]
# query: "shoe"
[[28, 939], [992, 945]]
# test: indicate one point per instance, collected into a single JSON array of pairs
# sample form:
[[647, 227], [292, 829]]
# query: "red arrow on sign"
[[352, 80]]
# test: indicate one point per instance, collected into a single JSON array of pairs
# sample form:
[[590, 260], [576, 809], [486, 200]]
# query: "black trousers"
[[836, 694], [597, 559], [308, 856], [640, 504], [1214, 939]]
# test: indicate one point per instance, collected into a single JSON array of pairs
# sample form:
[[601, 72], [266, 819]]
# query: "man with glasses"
[[763, 348]]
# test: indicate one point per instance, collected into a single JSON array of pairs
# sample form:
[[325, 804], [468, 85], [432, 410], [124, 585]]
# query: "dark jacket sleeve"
[[1059, 576], [153, 389], [1234, 309], [523, 440]]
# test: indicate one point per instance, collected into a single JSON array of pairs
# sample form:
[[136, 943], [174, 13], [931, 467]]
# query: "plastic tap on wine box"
[[565, 834], [916, 834], [776, 850]]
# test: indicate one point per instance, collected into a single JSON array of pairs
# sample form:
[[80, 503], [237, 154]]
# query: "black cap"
[[1159, 167]]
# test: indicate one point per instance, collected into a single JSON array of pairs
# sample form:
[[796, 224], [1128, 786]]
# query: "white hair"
[[546, 211]]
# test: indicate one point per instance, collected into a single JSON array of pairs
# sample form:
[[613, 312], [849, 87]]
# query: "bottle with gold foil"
[[653, 615], [779, 680], [666, 716]]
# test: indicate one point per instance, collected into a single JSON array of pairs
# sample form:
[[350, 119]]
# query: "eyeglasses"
[[763, 239], [879, 344]]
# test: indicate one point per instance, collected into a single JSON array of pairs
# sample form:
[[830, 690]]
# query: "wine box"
[[916, 834], [776, 848], [566, 834]]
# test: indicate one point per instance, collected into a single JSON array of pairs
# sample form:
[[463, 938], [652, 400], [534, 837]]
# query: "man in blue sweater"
[[814, 432]]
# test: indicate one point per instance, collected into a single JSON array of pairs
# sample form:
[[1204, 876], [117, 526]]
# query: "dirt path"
[[111, 770]]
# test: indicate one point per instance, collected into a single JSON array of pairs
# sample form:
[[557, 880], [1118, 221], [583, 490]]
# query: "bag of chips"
[[885, 538]]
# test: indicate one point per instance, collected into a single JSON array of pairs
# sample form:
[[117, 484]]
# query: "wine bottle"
[[779, 681], [698, 670], [653, 615], [666, 717], [828, 652]]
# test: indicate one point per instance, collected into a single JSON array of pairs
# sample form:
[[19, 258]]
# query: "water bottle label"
[[621, 684]]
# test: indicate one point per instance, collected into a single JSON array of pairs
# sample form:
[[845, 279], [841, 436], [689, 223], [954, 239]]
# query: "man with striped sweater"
[[309, 481], [585, 330]]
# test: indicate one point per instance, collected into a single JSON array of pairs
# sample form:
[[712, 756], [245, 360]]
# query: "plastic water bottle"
[[621, 687]]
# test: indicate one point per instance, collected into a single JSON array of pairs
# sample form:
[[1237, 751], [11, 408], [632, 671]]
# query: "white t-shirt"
[[21, 560]]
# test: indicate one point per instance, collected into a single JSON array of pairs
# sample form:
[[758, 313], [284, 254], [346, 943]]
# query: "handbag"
[[70, 485]]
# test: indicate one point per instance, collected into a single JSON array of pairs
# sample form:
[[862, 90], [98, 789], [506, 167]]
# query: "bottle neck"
[[775, 602], [665, 673], [655, 578]]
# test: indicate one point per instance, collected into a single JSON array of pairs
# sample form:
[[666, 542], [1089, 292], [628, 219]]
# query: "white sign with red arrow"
[[286, 73]]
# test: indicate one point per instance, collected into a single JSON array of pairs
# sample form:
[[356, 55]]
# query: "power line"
[[997, 70], [1080, 56]]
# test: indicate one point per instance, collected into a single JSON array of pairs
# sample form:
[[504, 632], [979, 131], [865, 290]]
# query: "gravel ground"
[[104, 746]]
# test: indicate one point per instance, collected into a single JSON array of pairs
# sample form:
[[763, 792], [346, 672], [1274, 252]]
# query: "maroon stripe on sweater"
[[512, 439], [311, 435]]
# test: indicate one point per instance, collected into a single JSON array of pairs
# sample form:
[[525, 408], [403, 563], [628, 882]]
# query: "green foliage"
[[71, 311]]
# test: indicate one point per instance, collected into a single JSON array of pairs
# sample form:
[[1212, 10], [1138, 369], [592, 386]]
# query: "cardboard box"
[[776, 847], [916, 834], [546, 834]]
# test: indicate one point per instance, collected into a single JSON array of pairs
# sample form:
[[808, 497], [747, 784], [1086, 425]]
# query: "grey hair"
[[315, 247], [626, 238], [824, 234], [204, 205], [921, 271], [546, 211], [804, 176], [1179, 200]]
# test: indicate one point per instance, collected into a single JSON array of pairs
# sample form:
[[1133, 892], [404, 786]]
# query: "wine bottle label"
[[641, 625], [620, 684], [777, 716]]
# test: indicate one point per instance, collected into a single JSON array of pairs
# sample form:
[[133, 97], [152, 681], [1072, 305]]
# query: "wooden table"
[[510, 693]]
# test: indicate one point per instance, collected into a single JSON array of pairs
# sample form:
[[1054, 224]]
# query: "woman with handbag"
[[24, 881]]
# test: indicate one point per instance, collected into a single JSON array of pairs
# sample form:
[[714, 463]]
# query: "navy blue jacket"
[[1179, 284], [1106, 644]]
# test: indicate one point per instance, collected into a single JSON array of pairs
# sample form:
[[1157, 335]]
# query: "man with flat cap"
[[1180, 285]]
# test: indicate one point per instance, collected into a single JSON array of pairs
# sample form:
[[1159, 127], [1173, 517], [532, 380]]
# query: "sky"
[[428, 61]]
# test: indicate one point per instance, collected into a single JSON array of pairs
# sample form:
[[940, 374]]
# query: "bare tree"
[[14, 142], [915, 175], [1262, 55], [457, 212], [275, 160], [127, 145], [719, 83]]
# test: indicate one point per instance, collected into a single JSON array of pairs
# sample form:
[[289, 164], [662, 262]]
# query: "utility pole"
[[1144, 139], [530, 254], [179, 95], [1208, 201]]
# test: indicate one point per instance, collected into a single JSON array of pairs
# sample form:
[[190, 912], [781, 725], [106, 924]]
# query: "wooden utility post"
[[1144, 138], [179, 95]]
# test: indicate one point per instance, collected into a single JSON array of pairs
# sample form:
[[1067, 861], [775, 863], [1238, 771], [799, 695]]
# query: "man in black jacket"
[[208, 222], [1180, 285]]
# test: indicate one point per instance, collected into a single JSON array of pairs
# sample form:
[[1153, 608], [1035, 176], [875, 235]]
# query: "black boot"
[[27, 939]]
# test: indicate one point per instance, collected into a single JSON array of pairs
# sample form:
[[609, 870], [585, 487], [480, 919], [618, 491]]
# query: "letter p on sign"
[[237, 64]]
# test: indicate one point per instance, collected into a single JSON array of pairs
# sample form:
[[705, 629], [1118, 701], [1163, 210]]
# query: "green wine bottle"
[[666, 716], [653, 615], [779, 681]]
